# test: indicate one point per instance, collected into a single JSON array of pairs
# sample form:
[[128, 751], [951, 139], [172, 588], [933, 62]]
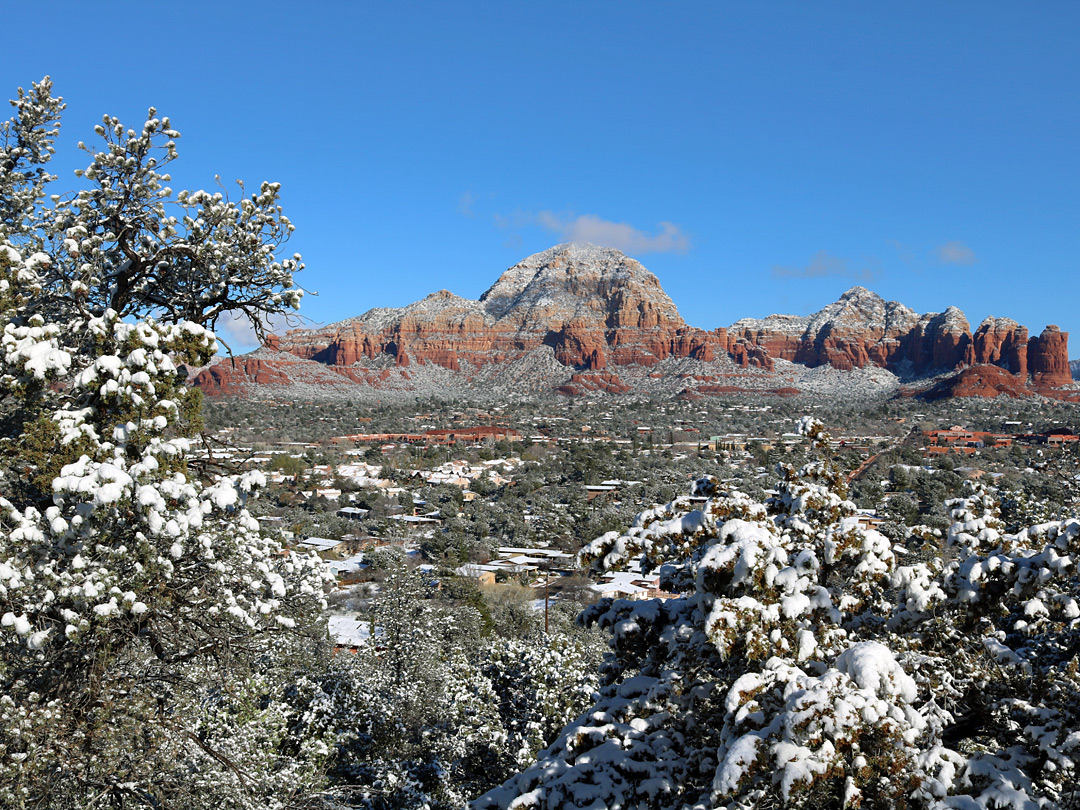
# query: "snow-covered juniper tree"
[[806, 665], [135, 598], [426, 715]]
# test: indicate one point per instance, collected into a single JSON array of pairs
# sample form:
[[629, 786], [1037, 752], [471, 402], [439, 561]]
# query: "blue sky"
[[758, 157]]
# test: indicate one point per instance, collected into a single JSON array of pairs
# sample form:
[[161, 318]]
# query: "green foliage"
[[902, 509], [287, 464], [812, 663]]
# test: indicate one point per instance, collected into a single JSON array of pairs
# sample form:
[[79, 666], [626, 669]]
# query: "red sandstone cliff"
[[979, 381], [594, 311], [1048, 358], [1003, 342], [862, 329], [594, 307]]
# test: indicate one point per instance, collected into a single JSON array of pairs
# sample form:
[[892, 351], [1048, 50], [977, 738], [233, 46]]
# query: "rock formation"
[[571, 317], [979, 381], [862, 329], [1048, 358], [594, 306], [236, 376], [1003, 342]]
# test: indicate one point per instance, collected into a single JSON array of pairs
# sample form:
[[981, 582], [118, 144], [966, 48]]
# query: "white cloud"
[[236, 329], [465, 204], [670, 238], [824, 264], [955, 252]]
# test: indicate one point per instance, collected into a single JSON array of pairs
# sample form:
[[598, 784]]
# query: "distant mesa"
[[579, 319]]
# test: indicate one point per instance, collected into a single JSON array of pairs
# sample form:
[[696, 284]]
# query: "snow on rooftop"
[[348, 631], [319, 543]]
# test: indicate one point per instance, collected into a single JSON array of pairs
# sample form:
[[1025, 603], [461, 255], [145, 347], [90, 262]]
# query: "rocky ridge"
[[862, 329], [578, 319], [595, 307]]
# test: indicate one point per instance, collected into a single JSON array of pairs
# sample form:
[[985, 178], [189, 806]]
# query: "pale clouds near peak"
[[669, 238], [236, 329], [955, 252], [823, 264], [465, 204]]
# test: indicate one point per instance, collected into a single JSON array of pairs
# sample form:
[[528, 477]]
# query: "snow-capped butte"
[[578, 318], [576, 278]]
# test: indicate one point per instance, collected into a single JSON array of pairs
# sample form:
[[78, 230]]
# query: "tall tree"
[[134, 596]]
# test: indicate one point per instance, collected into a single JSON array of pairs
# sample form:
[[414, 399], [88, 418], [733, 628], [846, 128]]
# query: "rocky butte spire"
[[1003, 342], [1048, 358]]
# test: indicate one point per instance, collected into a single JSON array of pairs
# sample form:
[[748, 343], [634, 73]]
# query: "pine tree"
[[135, 597]]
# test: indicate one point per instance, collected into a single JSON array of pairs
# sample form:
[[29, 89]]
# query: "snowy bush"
[[804, 666]]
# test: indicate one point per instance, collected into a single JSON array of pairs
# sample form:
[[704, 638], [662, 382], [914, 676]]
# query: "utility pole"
[[547, 579], [547, 583]]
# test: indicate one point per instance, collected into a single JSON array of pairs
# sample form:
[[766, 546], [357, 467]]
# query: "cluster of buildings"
[[546, 565], [468, 435], [960, 440], [514, 561]]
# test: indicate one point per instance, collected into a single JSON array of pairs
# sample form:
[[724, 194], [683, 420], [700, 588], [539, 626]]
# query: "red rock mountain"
[[863, 329], [595, 307], [579, 318]]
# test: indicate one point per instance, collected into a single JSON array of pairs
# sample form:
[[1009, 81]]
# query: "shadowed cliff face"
[[599, 310]]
